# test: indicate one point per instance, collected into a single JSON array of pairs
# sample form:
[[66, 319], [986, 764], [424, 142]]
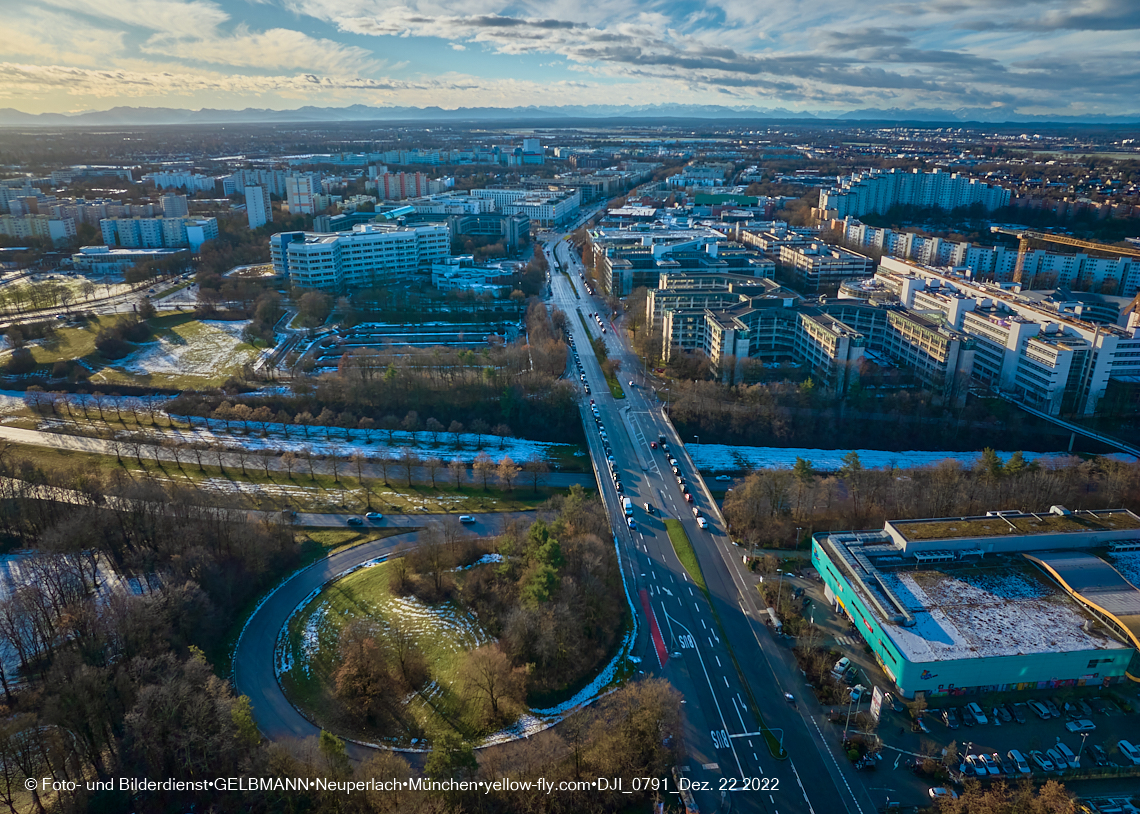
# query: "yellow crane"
[[1025, 235]]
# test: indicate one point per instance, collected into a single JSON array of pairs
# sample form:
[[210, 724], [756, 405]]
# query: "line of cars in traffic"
[[675, 466], [581, 370]]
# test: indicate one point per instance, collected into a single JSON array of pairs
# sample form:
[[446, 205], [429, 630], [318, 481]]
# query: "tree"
[[433, 465], [487, 672], [313, 308], [383, 460], [409, 460], [504, 432], [480, 428], [411, 424], [990, 465], [434, 427], [289, 461], [507, 471], [451, 758], [482, 466], [456, 430], [458, 469], [536, 468]]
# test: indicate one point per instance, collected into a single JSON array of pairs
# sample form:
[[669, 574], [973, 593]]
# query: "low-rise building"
[[108, 260], [1006, 601], [462, 273]]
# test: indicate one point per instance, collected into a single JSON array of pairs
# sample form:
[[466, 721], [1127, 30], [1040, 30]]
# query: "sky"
[[1061, 57]]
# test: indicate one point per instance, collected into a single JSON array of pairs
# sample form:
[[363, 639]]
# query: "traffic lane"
[[484, 523]]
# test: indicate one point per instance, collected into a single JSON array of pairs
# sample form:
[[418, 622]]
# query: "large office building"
[[730, 321], [1006, 601], [546, 207], [1048, 360], [817, 267], [877, 191], [158, 233], [1047, 269], [371, 254], [258, 207]]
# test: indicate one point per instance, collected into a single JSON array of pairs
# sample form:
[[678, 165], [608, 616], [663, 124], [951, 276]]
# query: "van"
[[1129, 752], [1070, 758], [976, 712], [1040, 710], [627, 504], [1020, 764]]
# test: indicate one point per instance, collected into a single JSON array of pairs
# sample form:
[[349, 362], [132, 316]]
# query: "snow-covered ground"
[[204, 348], [986, 614], [723, 458]]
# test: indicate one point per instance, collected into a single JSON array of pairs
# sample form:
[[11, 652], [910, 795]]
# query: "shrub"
[[20, 362], [110, 343]]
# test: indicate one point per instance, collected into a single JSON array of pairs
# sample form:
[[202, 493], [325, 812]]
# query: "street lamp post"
[[1080, 751], [850, 701], [696, 439], [779, 589]]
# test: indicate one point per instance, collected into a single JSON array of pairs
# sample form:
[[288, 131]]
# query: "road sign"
[[876, 703]]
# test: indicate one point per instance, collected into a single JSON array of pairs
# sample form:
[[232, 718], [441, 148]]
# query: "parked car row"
[[1057, 758]]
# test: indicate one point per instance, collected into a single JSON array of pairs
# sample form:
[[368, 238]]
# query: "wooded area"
[[771, 504]]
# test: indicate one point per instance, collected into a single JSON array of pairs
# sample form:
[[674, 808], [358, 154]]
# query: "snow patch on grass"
[[204, 348], [724, 458]]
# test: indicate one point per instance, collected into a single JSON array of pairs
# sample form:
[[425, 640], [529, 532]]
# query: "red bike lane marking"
[[654, 630]]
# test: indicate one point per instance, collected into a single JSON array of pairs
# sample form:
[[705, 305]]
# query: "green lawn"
[[443, 632], [685, 553]]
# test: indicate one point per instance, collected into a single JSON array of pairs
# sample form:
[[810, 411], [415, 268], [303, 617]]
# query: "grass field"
[[685, 552], [443, 632]]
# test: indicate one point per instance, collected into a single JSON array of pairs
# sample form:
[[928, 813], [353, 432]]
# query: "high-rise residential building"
[[399, 185], [370, 254], [302, 192], [258, 207], [877, 191], [57, 230], [181, 180], [158, 233], [175, 206]]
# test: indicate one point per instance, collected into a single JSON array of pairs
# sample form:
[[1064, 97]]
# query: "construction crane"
[[1025, 235]]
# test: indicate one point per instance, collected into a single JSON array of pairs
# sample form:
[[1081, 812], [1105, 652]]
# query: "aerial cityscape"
[[671, 408]]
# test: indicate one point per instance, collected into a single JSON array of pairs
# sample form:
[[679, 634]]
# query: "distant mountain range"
[[133, 116]]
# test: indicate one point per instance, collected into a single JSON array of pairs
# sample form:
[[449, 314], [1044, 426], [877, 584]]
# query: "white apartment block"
[[1106, 275], [371, 254], [877, 191], [158, 233], [1053, 363], [174, 206], [258, 207], [303, 193], [45, 227], [544, 207], [818, 265], [181, 180]]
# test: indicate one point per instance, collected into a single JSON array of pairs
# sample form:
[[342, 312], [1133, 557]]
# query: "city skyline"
[[1008, 57]]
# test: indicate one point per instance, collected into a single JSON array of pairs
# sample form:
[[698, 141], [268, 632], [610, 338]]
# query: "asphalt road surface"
[[705, 638]]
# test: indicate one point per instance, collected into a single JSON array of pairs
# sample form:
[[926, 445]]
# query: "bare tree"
[[242, 456], [507, 471], [198, 449], [433, 465], [220, 457], [176, 450], [409, 460], [265, 459], [434, 428], [503, 431], [358, 462], [307, 454], [483, 465], [480, 428], [383, 460], [334, 463], [458, 469], [289, 461], [456, 430], [488, 672], [536, 468]]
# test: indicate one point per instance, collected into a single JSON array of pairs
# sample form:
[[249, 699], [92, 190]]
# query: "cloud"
[[174, 16], [275, 49]]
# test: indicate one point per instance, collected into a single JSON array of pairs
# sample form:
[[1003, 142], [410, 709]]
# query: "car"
[[723, 477], [374, 516], [841, 666], [977, 765], [1051, 705], [1020, 764], [919, 725], [591, 401], [466, 518], [60, 316], [676, 471], [648, 507], [688, 497], [889, 698], [618, 487], [1129, 752], [1099, 756], [975, 711], [355, 521], [696, 511], [704, 524], [629, 521], [988, 764], [1040, 710], [1080, 725], [940, 793], [1085, 709], [857, 692], [630, 382], [587, 389], [653, 445], [1002, 712], [1059, 761], [1043, 762], [1018, 712], [950, 717]]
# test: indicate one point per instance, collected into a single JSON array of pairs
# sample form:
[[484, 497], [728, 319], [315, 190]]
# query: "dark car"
[[950, 717], [1099, 756], [1017, 710], [355, 521]]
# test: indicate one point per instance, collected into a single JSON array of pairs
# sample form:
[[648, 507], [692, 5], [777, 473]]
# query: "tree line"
[[775, 507]]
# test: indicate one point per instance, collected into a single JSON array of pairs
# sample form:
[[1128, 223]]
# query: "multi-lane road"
[[716, 651]]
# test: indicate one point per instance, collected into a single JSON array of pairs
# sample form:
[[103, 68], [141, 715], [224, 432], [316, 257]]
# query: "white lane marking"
[[703, 625], [718, 664], [726, 683], [691, 592]]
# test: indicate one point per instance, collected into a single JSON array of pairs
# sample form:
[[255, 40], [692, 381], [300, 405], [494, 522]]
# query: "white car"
[[466, 518], [1083, 725], [939, 793], [704, 524], [1129, 752], [723, 477]]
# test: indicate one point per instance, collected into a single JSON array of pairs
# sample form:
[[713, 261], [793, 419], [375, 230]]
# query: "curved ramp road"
[[254, 660]]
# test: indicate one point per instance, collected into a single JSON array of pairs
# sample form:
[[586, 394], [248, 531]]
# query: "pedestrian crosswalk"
[[850, 641]]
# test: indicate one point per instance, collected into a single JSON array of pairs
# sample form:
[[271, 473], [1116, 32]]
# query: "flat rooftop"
[[979, 612], [949, 528]]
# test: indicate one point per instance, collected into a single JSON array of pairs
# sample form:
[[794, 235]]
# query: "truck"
[[627, 504]]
